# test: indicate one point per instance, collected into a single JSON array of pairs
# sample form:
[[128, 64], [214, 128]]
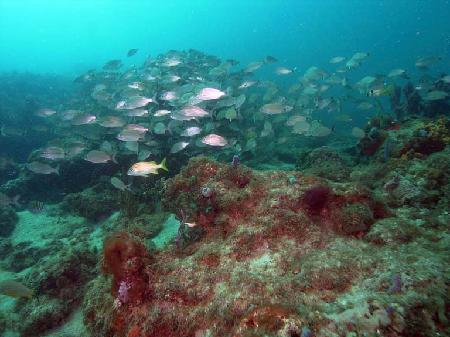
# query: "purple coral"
[[122, 293]]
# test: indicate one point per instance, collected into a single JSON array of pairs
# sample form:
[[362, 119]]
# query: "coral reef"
[[412, 104], [428, 138], [260, 244], [362, 249], [376, 133]]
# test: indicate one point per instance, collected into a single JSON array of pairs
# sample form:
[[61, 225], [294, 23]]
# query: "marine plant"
[[125, 259], [315, 198]]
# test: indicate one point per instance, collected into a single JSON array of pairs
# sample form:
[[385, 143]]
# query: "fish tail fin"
[[57, 169], [163, 165]]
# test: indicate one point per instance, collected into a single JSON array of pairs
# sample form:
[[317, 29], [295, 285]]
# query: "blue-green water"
[[70, 36]]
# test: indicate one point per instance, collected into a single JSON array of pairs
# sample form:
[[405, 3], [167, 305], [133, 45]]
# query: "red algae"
[[135, 331], [264, 320], [315, 198], [210, 260], [125, 259]]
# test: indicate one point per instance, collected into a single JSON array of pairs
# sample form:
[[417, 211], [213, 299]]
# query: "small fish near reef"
[[132, 52], [15, 289], [214, 140], [98, 157], [144, 168], [36, 206], [119, 184], [41, 168]]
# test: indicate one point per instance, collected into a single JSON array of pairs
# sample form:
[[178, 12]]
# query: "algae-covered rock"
[[92, 203], [98, 307], [24, 255], [355, 218], [8, 220], [324, 162], [41, 316], [58, 283], [5, 248], [63, 275], [144, 225], [428, 137], [394, 230]]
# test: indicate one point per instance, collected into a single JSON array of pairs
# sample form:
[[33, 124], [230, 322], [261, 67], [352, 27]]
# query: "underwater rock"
[[427, 138], [228, 186], [369, 145], [423, 182], [22, 256], [41, 316], [394, 231], [324, 162], [58, 282], [376, 132], [260, 241], [402, 190], [363, 319], [414, 138], [8, 220], [64, 273], [98, 307], [144, 199], [5, 323], [355, 218], [270, 320], [144, 226], [286, 154], [9, 170], [74, 176], [94, 203], [5, 248]]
